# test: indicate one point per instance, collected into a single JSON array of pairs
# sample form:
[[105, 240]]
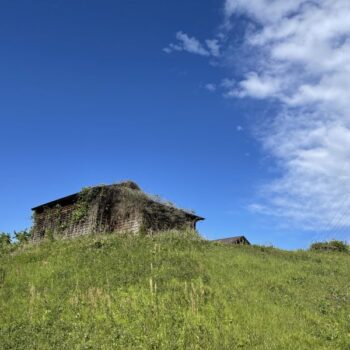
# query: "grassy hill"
[[172, 292]]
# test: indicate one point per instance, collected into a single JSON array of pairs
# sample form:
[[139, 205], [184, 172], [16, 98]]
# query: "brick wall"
[[59, 222]]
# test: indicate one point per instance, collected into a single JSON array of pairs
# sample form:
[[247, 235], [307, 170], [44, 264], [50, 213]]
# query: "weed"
[[171, 291]]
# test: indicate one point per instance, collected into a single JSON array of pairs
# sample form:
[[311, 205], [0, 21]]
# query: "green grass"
[[168, 292]]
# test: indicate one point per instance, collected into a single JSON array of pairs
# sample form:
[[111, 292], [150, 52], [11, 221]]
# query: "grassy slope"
[[171, 293]]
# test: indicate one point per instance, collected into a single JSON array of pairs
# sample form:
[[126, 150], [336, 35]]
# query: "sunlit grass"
[[172, 292]]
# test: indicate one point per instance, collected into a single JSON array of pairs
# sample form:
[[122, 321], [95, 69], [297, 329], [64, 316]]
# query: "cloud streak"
[[211, 47], [299, 59], [302, 60]]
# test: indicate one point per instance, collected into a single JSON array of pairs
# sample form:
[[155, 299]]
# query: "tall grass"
[[172, 291]]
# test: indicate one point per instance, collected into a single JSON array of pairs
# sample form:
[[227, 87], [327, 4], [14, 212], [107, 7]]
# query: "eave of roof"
[[231, 239], [73, 196], [57, 201]]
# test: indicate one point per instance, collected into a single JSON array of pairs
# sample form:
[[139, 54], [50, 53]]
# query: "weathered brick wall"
[[132, 225], [159, 217], [108, 209], [121, 223], [59, 222]]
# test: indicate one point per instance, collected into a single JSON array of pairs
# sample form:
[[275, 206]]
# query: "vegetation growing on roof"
[[333, 245], [121, 207]]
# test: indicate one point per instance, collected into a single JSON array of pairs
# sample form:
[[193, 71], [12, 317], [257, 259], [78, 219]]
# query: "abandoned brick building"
[[119, 208]]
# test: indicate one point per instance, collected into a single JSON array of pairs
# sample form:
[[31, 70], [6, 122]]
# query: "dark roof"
[[62, 201], [73, 198], [232, 240]]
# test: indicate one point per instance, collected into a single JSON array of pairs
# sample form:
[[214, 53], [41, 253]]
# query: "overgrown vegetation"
[[5, 239], [117, 207], [171, 291], [23, 236], [333, 245], [81, 209], [20, 238]]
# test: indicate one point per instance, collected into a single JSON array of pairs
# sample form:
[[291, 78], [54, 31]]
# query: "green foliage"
[[172, 291], [2, 276], [142, 230], [5, 239], [80, 212], [49, 234], [81, 208], [333, 245], [22, 237]]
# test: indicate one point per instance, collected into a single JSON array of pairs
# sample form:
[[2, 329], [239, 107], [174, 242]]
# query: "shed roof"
[[62, 201], [73, 198], [232, 240]]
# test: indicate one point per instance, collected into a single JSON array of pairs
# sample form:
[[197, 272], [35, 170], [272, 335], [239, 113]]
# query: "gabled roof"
[[62, 201], [74, 197], [233, 240]]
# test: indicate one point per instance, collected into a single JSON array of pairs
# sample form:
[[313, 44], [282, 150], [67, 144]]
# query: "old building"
[[234, 240], [119, 208]]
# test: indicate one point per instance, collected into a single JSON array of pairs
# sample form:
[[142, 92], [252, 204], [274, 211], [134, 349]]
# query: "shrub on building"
[[334, 245]]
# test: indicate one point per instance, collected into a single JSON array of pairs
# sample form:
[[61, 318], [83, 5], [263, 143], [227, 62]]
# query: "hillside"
[[171, 292]]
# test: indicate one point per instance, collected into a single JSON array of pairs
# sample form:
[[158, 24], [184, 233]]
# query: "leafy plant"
[[333, 245], [22, 236], [81, 208], [2, 276], [49, 234], [5, 239]]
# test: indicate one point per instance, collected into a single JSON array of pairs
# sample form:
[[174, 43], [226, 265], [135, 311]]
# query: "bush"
[[5, 240], [333, 245], [22, 236]]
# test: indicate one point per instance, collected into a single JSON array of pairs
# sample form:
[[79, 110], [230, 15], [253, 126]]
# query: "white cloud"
[[187, 43], [265, 11], [228, 83], [211, 47], [301, 55], [255, 86], [210, 87], [295, 53]]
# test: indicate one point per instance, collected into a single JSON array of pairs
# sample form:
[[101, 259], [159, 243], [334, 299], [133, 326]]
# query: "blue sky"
[[173, 96]]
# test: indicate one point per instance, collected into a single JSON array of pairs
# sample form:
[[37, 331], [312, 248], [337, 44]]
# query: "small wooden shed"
[[121, 207], [234, 240]]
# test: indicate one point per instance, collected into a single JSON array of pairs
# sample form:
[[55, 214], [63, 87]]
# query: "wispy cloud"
[[184, 42], [213, 46], [210, 87], [302, 59], [299, 58]]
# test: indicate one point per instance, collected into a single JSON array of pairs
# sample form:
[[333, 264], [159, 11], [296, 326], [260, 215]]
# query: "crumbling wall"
[[119, 208], [128, 209], [63, 222], [160, 217], [114, 208]]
